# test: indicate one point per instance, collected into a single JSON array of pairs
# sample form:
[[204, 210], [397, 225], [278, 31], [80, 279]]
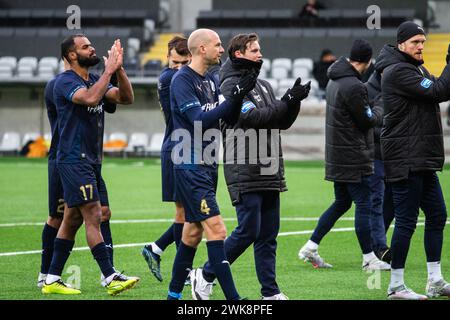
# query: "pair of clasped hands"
[[114, 61]]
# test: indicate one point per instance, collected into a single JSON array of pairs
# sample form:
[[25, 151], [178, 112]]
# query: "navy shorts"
[[167, 177], [55, 192], [82, 183], [196, 190]]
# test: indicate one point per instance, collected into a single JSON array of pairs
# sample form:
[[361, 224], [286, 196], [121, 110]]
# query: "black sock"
[[101, 255], [166, 238], [106, 233], [221, 267], [61, 252], [48, 239], [177, 233], [182, 265]]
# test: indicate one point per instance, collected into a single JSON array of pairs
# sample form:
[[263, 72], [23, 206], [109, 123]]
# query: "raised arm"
[[92, 96]]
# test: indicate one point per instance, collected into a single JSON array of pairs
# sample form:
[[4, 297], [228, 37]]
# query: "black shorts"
[[196, 190], [55, 192], [82, 183]]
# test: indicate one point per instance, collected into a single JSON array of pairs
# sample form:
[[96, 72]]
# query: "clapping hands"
[[115, 57]]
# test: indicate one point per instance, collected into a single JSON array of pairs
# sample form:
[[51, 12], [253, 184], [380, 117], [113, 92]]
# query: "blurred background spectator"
[[311, 9], [327, 58]]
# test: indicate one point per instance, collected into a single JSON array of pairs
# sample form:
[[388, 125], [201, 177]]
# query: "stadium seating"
[[118, 136], [49, 61], [295, 43], [6, 72], [152, 68], [8, 61], [91, 17], [137, 144], [302, 67], [47, 67], [36, 29], [28, 61], [288, 18], [266, 64], [25, 71], [281, 68], [10, 143], [154, 148], [29, 136]]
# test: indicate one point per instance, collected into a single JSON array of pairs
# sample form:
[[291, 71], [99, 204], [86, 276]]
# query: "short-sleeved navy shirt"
[[80, 127], [189, 90], [164, 99], [52, 118]]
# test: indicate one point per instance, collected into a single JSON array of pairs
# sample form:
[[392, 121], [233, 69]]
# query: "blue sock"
[[182, 265], [61, 252], [48, 239], [177, 233], [174, 296], [106, 233], [166, 238], [221, 267], [101, 255]]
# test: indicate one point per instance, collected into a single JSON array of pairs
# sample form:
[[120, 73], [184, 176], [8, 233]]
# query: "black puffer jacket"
[[349, 119], [411, 138], [260, 110], [373, 86]]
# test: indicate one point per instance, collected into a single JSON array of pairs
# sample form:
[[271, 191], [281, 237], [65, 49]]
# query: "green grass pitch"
[[134, 193]]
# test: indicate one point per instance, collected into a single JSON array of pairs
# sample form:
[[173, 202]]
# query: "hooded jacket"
[[349, 122], [411, 137], [260, 110]]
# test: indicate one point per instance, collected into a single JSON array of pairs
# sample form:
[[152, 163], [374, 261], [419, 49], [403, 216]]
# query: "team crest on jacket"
[[247, 106], [426, 83]]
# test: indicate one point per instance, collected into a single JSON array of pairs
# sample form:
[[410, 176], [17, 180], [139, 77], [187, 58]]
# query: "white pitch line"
[[24, 224], [131, 245]]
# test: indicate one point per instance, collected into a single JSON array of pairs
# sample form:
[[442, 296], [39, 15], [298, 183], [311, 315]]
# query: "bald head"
[[200, 37]]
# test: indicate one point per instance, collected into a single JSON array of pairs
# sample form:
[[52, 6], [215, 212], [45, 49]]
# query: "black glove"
[[447, 58], [297, 93], [246, 83]]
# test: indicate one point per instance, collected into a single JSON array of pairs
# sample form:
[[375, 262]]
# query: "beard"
[[87, 62]]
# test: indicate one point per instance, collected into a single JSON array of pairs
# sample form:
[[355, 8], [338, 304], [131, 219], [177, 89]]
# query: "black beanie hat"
[[361, 51], [407, 30]]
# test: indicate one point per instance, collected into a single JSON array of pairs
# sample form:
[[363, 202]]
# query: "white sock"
[[311, 245], [110, 278], [369, 256], [156, 249], [51, 278], [42, 276], [397, 278], [434, 271]]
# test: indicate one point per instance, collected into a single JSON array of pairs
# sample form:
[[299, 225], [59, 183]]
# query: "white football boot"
[[404, 293], [200, 288], [312, 256]]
